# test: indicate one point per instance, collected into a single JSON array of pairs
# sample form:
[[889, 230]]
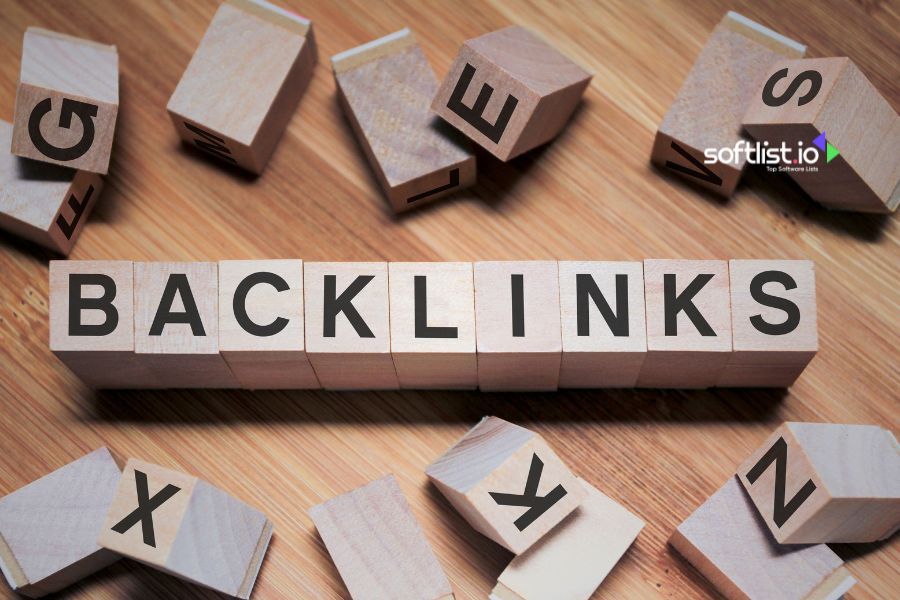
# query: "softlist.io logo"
[[774, 158]]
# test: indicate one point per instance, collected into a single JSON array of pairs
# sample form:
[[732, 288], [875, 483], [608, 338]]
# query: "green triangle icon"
[[831, 153]]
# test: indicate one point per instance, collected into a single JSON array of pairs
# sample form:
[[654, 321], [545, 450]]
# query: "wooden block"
[[773, 322], [377, 545], [825, 107], [507, 483], [348, 338], [571, 561], [244, 82], [261, 333], [186, 527], [433, 325], [688, 323], [708, 109], [385, 88], [604, 332], [48, 529], [726, 541], [518, 325], [67, 101], [510, 91], [820, 482]]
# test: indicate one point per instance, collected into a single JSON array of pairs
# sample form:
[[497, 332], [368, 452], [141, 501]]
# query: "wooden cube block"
[[507, 483], [49, 528], [726, 541], [186, 527], [433, 325], [244, 82], [67, 101], [385, 88], [377, 545], [510, 91], [773, 322], [261, 333], [821, 482], [834, 121], [688, 323], [708, 109], [348, 337], [571, 561], [604, 331], [517, 321]]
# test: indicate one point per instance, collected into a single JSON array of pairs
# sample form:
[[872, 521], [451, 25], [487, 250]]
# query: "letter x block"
[[821, 482], [510, 91], [187, 528], [507, 483]]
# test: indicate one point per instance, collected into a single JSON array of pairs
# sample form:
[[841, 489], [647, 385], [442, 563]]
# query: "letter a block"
[[507, 483]]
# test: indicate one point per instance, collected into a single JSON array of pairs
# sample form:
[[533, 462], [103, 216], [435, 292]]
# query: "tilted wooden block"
[[726, 541], [821, 482], [67, 101], [244, 82], [708, 109], [510, 91], [507, 483], [385, 88], [377, 545], [826, 106], [49, 528]]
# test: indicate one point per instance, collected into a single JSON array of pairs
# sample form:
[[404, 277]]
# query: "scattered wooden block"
[[385, 88], [727, 542], [708, 109], [604, 333], [510, 91], [377, 545], [828, 103], [820, 482], [76, 79], [507, 483], [48, 529], [244, 82]]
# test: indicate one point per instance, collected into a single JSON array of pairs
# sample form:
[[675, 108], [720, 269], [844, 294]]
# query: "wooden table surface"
[[591, 194]]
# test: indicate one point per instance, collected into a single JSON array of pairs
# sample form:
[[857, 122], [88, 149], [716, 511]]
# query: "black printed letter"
[[472, 115], [815, 84], [537, 505], [105, 303], [239, 304], [675, 303], [778, 453], [146, 506], [586, 288], [177, 283], [344, 304], [793, 312], [421, 316]]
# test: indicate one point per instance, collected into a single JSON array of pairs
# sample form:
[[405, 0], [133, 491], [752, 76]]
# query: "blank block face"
[[385, 88], [67, 101], [433, 325], [377, 545], [49, 528], [604, 332], [518, 325], [510, 91]]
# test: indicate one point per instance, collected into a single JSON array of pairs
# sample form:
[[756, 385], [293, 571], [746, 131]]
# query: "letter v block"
[[507, 483], [187, 528]]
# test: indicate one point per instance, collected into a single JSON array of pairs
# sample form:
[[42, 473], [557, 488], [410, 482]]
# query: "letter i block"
[[186, 527], [510, 91], [67, 101], [507, 483], [821, 482], [244, 82]]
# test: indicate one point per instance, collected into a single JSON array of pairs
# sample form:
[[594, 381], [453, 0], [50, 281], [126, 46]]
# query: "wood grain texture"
[[589, 195]]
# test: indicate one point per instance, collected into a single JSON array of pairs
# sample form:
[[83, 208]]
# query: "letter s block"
[[507, 483]]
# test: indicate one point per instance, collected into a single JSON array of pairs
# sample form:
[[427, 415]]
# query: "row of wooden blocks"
[[498, 326]]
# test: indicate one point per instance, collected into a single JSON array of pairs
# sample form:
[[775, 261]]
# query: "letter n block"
[[507, 483]]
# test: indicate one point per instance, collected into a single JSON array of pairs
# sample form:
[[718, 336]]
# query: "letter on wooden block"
[[244, 82], [726, 541], [386, 87], [507, 483], [510, 91], [49, 528], [604, 333], [67, 101], [821, 482], [377, 545], [707, 111]]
